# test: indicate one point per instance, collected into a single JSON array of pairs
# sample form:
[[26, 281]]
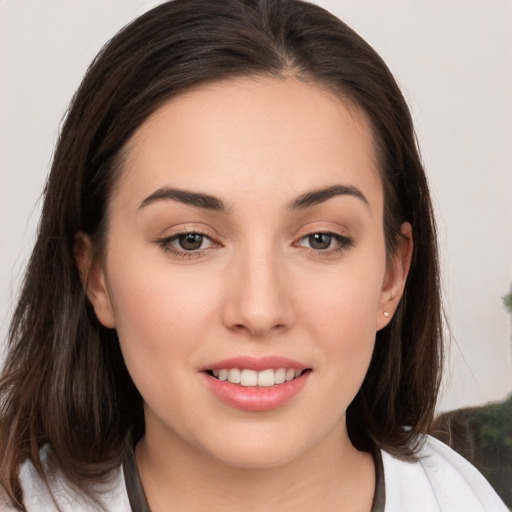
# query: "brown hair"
[[64, 382]]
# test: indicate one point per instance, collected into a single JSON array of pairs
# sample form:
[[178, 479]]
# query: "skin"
[[257, 287]]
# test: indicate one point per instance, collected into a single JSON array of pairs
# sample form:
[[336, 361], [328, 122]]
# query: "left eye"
[[324, 241]]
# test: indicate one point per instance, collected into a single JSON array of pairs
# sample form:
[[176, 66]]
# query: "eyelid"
[[326, 227], [184, 228]]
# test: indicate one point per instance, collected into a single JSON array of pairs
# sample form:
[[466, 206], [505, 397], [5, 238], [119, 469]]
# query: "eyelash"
[[344, 243]]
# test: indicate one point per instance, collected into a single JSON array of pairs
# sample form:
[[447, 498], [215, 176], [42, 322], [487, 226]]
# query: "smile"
[[256, 384], [265, 378]]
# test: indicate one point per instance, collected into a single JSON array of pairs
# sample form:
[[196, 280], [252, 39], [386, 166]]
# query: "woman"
[[233, 300]]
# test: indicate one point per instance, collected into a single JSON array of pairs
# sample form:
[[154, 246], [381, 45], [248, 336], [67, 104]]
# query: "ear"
[[92, 275], [395, 277]]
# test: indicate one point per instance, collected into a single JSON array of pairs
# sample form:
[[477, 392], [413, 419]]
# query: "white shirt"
[[439, 481]]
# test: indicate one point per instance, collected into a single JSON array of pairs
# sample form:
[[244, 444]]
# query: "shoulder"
[[37, 496], [440, 480]]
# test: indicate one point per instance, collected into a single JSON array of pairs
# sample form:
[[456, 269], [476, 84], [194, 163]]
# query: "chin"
[[255, 449]]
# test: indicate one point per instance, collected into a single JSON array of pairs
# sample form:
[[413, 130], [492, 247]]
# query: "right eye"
[[186, 244], [190, 241]]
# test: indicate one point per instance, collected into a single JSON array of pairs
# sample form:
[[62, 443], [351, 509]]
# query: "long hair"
[[64, 382]]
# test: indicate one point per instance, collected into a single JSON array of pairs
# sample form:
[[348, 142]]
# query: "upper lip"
[[256, 363]]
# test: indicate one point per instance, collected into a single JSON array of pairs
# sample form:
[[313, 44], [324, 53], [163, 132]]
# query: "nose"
[[258, 294]]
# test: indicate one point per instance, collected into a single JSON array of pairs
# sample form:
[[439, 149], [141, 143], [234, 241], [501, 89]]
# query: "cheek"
[[344, 304], [158, 312], [340, 313], [161, 320], [345, 331]]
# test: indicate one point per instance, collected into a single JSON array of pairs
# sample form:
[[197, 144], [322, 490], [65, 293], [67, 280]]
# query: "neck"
[[332, 475]]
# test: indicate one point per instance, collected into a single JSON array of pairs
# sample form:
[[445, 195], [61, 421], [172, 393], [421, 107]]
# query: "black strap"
[[138, 502], [379, 498], [136, 496]]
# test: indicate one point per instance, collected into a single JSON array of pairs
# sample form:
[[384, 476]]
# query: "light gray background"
[[453, 60]]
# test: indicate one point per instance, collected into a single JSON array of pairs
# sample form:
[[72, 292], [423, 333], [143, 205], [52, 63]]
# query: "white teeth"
[[234, 375], [265, 378], [280, 375], [249, 378]]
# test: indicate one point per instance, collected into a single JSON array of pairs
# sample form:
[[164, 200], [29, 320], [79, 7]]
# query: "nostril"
[[259, 330]]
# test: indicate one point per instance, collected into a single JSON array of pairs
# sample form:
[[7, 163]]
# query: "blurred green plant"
[[507, 300], [483, 435]]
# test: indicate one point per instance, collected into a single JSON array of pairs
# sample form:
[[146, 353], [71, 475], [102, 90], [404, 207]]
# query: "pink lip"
[[254, 398], [257, 364]]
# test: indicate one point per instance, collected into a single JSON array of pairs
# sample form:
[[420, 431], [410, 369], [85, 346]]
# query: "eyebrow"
[[209, 202], [321, 195], [197, 199]]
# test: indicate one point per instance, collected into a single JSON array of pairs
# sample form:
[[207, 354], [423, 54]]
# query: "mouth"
[[257, 384], [266, 378]]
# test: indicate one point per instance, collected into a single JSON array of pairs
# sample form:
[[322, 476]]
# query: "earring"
[[386, 313]]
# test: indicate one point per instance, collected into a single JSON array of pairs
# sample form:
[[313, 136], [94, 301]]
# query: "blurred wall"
[[453, 61]]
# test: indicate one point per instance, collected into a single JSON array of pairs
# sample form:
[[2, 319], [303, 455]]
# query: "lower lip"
[[255, 398]]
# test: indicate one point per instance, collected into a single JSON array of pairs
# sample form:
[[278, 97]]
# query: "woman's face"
[[245, 242]]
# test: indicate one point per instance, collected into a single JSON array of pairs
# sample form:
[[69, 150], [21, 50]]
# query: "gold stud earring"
[[386, 313]]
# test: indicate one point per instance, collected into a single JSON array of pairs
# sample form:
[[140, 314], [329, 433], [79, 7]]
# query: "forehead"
[[262, 134]]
